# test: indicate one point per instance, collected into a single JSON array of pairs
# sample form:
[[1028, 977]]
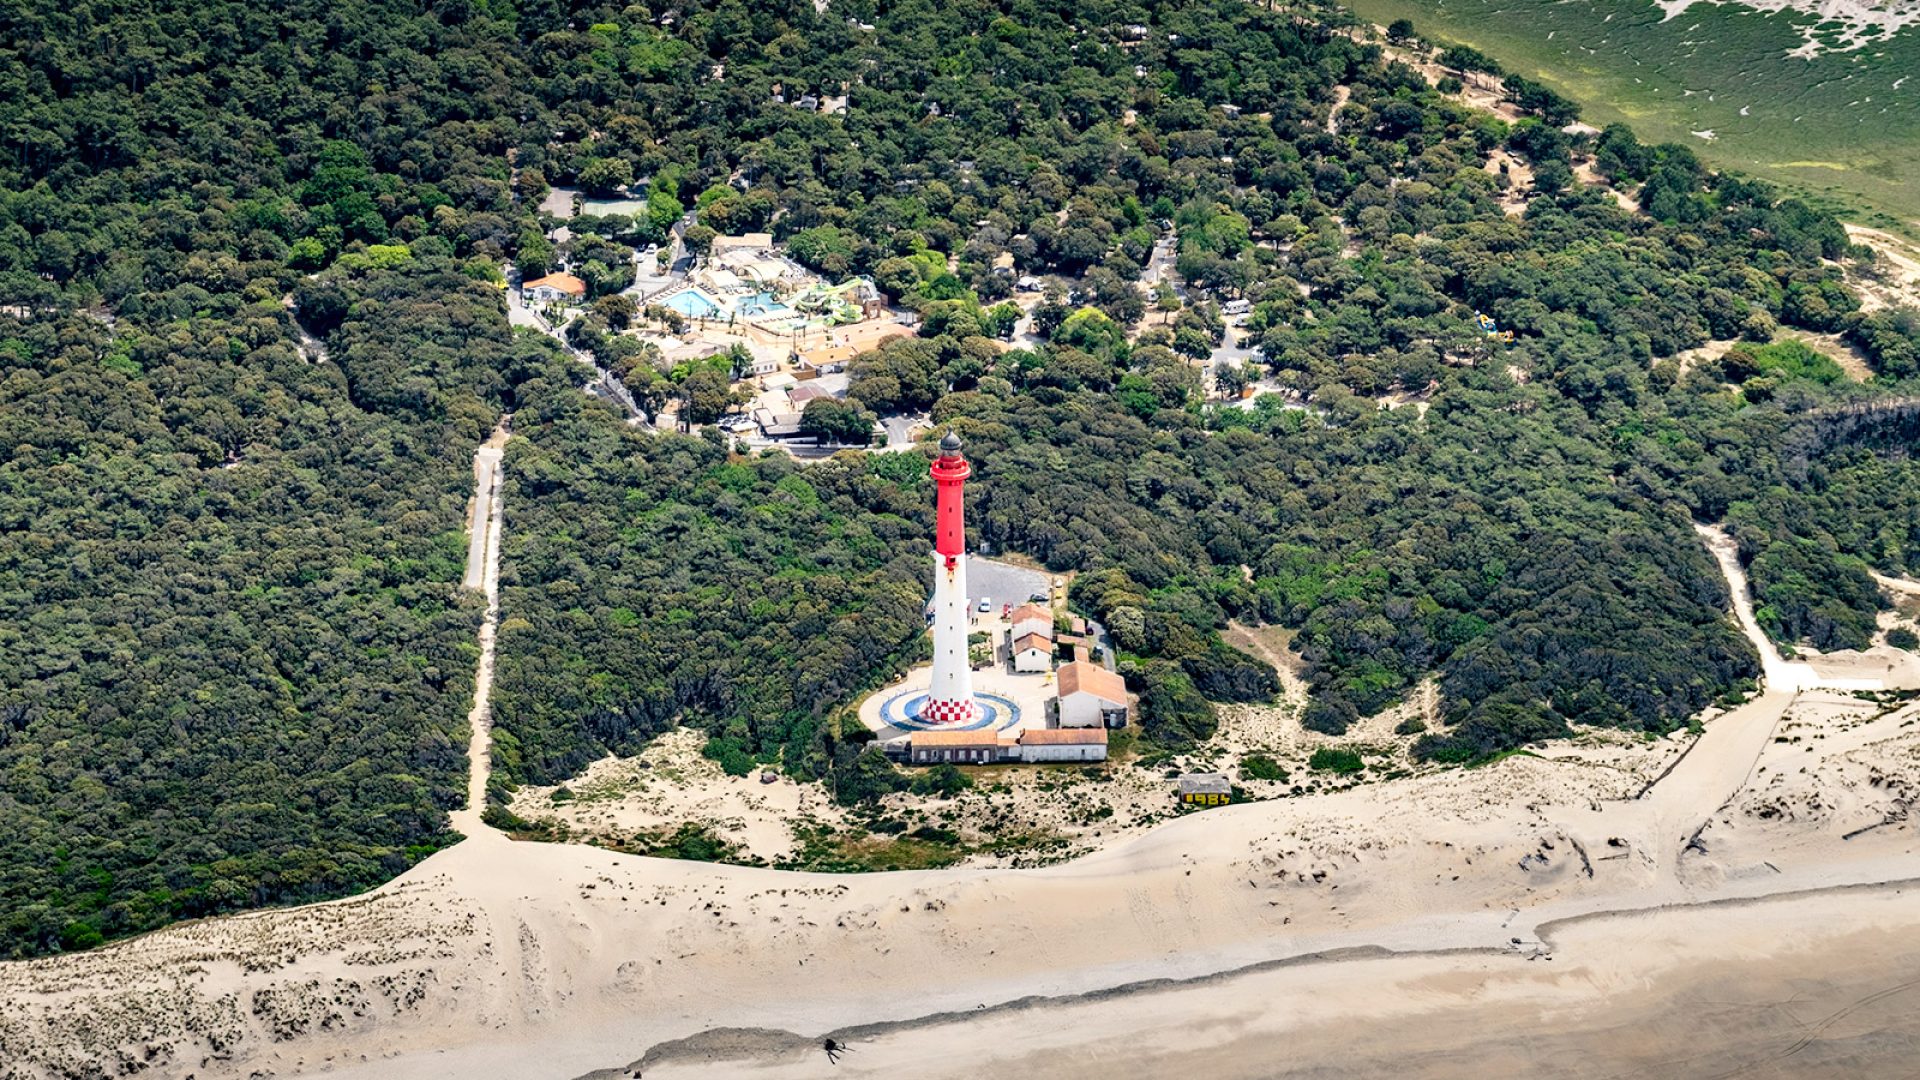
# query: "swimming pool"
[[763, 303], [694, 304]]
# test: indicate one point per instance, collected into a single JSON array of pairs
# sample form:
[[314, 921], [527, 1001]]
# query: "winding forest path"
[[1780, 673], [1341, 94], [1902, 585], [483, 574], [312, 349]]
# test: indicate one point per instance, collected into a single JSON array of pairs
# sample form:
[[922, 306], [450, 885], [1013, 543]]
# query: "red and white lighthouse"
[[950, 699]]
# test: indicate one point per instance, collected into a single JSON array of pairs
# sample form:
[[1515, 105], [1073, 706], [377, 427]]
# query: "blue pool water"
[[764, 303], [693, 304]]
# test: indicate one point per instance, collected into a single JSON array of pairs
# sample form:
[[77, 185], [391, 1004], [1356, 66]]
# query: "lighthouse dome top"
[[950, 445]]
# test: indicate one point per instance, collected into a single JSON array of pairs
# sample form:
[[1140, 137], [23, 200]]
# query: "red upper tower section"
[[950, 472]]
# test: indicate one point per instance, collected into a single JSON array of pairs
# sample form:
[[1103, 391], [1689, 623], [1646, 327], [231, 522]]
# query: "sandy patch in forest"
[[1895, 279], [672, 783], [1585, 172], [1704, 354], [1519, 179], [1851, 360]]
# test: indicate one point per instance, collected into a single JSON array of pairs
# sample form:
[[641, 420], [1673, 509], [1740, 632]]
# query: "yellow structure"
[[1205, 789]]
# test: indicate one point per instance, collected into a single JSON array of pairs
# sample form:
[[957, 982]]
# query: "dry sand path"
[[483, 573], [1341, 95], [1898, 280], [1897, 584], [1779, 673]]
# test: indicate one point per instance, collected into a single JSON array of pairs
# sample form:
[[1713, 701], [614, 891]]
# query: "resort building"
[[755, 265], [555, 289], [799, 396], [777, 425], [824, 361], [872, 334], [1091, 696], [755, 241]]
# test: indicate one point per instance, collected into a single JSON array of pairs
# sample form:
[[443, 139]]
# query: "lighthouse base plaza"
[[1003, 702]]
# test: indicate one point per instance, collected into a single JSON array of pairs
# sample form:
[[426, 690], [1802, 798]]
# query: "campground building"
[[555, 289]]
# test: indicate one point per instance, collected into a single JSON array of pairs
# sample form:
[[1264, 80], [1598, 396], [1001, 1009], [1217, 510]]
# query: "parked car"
[[986, 604]]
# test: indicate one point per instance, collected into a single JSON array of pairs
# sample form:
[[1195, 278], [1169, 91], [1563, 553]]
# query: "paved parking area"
[[1003, 583]]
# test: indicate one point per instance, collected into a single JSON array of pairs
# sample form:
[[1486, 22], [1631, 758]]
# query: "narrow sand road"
[[1341, 94], [1779, 673], [1899, 585], [483, 574]]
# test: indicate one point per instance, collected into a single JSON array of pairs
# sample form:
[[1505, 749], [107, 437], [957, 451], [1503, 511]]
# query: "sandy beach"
[[1771, 989]]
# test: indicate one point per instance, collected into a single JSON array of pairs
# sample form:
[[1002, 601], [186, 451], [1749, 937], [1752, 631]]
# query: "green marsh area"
[[1835, 124]]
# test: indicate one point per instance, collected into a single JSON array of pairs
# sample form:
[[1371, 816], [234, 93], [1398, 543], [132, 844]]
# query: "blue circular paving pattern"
[[902, 710]]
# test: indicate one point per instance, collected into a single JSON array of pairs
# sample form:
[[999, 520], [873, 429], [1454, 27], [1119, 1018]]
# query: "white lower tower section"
[[950, 699]]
